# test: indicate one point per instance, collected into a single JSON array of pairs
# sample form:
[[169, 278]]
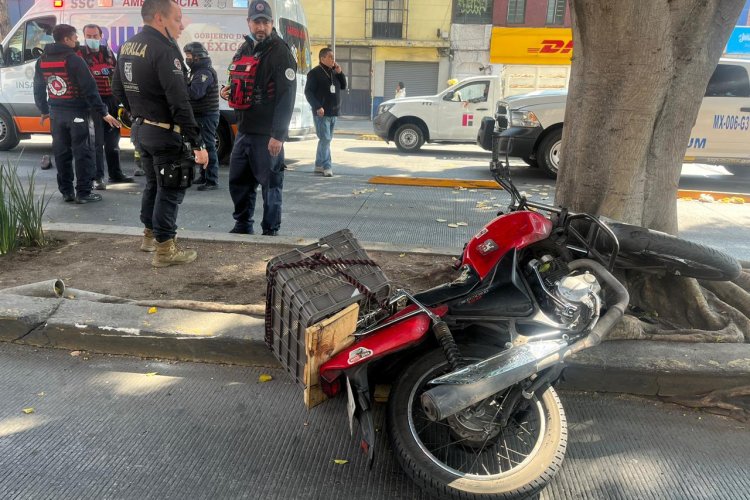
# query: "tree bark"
[[4, 19], [639, 71]]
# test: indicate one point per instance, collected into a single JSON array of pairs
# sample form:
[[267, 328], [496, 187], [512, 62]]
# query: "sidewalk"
[[354, 126], [67, 320]]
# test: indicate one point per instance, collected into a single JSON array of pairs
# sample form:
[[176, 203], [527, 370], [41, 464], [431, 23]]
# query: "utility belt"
[[178, 174], [181, 173], [166, 126]]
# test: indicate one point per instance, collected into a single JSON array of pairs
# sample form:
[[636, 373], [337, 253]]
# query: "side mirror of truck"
[[448, 96]]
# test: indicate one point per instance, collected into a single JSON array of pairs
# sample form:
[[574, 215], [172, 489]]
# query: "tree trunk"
[[639, 72], [4, 19]]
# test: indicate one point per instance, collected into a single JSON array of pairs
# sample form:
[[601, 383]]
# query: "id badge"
[[333, 89]]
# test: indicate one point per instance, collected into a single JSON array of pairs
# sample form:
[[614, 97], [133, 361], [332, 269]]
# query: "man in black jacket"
[[203, 89], [150, 81], [65, 92], [257, 155], [323, 91]]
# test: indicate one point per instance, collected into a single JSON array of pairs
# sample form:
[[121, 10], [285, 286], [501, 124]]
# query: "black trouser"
[[107, 143], [252, 165], [159, 204], [73, 138]]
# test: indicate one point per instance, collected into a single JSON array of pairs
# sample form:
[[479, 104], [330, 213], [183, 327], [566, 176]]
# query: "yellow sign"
[[531, 46]]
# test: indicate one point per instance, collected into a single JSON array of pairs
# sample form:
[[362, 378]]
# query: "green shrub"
[[21, 211]]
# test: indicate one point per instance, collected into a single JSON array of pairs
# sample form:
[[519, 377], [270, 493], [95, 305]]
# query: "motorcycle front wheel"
[[646, 250], [469, 455]]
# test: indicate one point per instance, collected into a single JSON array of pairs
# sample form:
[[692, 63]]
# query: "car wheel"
[[548, 155], [531, 162], [9, 138], [409, 138]]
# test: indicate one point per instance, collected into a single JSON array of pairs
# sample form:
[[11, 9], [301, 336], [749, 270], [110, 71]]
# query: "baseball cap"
[[258, 9]]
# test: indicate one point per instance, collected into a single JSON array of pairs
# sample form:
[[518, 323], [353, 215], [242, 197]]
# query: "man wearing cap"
[[257, 155]]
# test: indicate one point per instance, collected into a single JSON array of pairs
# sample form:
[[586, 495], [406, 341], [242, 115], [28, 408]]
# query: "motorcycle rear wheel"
[[652, 251], [515, 461]]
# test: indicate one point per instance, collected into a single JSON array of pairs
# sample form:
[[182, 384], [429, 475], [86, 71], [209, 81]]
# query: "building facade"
[[382, 42]]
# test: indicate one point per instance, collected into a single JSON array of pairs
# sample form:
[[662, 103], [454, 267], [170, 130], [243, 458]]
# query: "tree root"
[[671, 308], [733, 403]]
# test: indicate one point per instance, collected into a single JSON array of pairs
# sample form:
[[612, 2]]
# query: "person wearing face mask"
[[101, 62], [203, 89], [262, 88], [150, 82], [65, 92]]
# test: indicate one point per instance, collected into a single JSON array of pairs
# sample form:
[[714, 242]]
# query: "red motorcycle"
[[472, 412]]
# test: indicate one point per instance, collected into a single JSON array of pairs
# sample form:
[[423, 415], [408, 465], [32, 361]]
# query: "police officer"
[[264, 110], [101, 62], [150, 81], [203, 89], [64, 92]]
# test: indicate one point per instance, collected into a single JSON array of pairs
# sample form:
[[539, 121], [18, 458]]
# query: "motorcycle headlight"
[[524, 119], [384, 108]]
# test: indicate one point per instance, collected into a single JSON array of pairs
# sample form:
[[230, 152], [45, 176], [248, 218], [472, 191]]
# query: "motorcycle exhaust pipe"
[[458, 390], [462, 388]]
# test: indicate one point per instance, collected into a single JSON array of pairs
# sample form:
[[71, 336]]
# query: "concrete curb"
[[132, 330], [242, 238], [635, 367], [393, 180]]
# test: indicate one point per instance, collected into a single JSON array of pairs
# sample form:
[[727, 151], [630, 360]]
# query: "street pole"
[[333, 27]]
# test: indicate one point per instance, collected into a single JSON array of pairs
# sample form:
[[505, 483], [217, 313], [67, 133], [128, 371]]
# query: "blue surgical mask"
[[92, 44]]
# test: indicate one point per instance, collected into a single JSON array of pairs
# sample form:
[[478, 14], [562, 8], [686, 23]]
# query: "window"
[[14, 52], [295, 35], [556, 12], [472, 11], [388, 19], [472, 92], [38, 34], [728, 80], [516, 11]]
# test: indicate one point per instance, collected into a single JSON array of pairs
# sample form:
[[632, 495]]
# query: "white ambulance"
[[218, 24]]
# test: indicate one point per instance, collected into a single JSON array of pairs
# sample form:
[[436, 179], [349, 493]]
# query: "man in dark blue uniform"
[[101, 62], [65, 92], [203, 89], [263, 123], [150, 81]]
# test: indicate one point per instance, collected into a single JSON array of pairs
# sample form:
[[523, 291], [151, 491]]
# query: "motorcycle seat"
[[448, 291]]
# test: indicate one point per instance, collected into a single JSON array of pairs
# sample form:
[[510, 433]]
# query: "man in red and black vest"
[[65, 92], [101, 62], [263, 98]]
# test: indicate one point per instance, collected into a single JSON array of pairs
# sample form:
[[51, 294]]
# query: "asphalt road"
[[110, 427], [407, 216]]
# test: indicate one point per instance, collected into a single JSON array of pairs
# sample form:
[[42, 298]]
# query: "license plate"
[[350, 406]]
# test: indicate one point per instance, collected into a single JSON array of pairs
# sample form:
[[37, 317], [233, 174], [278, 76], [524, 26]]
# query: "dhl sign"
[[531, 46]]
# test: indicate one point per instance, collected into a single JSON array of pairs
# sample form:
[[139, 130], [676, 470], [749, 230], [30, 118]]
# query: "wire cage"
[[314, 282]]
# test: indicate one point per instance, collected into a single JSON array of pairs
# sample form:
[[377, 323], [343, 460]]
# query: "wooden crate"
[[323, 340]]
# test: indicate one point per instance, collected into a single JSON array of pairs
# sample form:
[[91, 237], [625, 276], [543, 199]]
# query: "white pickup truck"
[[530, 126], [452, 116]]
